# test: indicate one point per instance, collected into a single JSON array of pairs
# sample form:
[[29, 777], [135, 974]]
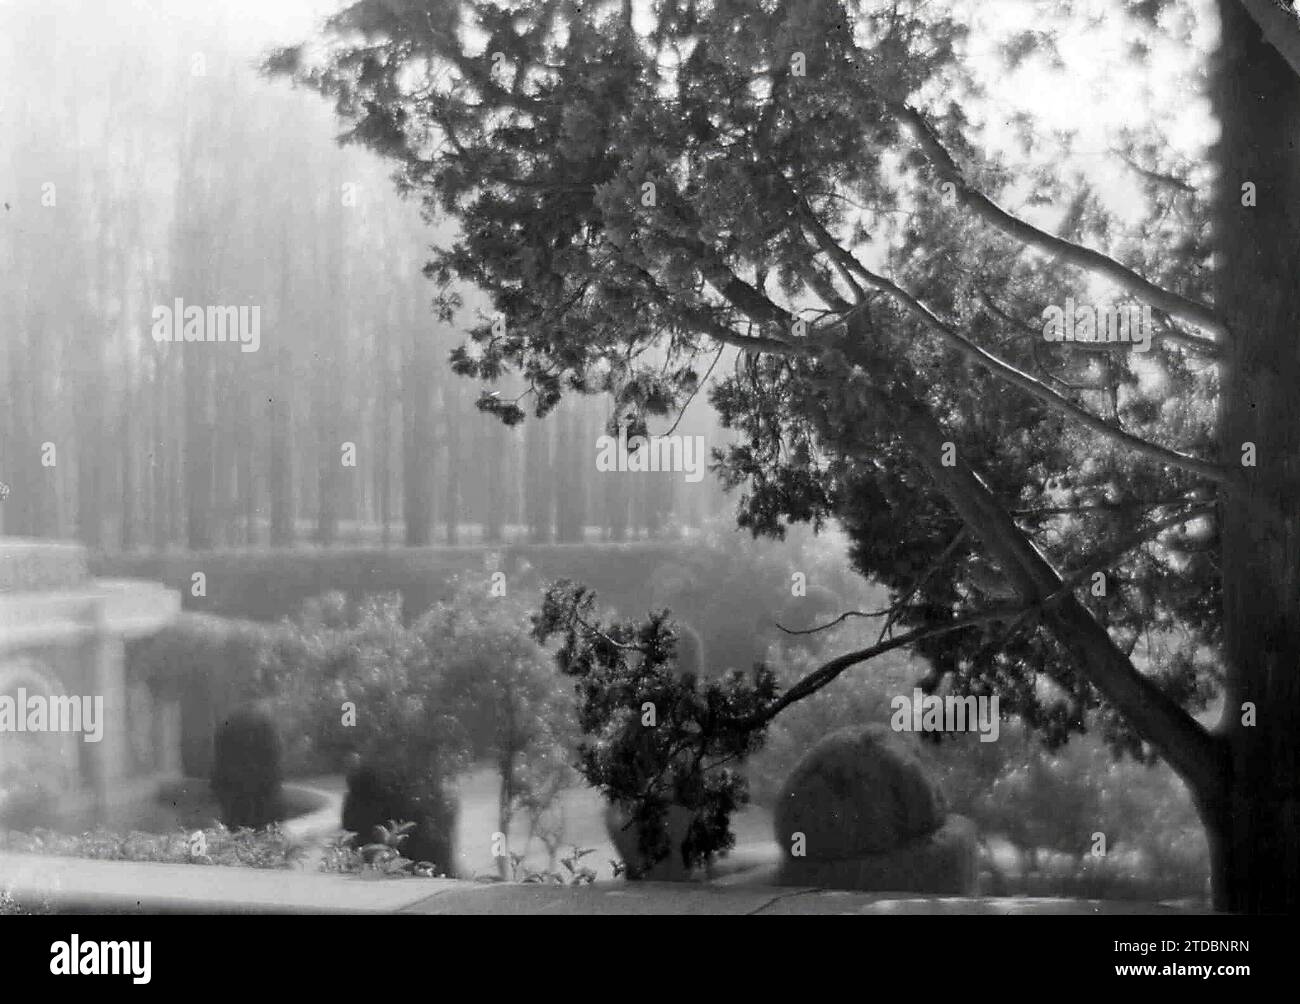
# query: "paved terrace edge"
[[69, 885]]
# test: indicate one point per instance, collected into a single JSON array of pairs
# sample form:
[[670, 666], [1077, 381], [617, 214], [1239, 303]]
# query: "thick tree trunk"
[[330, 481], [328, 460], [571, 486], [90, 420], [383, 440], [538, 502], [225, 454], [451, 484], [198, 451], [496, 456], [280, 409], [1253, 813], [160, 467], [126, 447], [22, 448], [616, 504], [250, 462], [417, 447]]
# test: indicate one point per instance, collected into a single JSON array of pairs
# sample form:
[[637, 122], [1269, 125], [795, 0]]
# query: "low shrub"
[[1047, 803], [10, 907], [859, 791], [352, 678], [856, 698], [416, 704]]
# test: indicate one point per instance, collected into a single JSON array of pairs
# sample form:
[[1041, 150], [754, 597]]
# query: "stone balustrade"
[[63, 635]]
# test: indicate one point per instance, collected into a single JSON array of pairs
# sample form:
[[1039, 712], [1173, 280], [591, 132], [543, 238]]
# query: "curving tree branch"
[[1179, 737], [1280, 26], [1004, 370], [1094, 261]]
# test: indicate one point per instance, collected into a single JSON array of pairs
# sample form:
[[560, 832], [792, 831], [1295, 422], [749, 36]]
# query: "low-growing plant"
[[10, 907], [381, 856], [266, 848], [574, 873], [851, 700]]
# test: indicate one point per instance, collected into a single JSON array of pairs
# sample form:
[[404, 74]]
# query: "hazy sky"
[[1097, 90]]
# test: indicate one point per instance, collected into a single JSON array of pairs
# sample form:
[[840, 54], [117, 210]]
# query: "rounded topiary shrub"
[[246, 768], [859, 791], [379, 795]]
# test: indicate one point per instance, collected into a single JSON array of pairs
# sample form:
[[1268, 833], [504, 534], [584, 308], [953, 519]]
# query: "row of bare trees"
[[153, 174]]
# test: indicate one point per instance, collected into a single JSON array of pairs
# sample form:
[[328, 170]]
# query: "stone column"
[[168, 713], [107, 653], [143, 729]]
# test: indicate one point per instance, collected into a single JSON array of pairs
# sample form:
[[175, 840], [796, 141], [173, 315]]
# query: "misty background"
[[145, 160]]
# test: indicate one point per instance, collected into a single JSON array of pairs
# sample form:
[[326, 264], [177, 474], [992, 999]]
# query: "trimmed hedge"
[[266, 585], [859, 791], [269, 585], [729, 593]]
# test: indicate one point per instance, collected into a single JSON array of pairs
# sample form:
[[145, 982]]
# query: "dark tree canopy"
[[541, 156], [792, 185]]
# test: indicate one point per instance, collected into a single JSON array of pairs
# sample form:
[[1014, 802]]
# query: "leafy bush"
[[626, 672], [853, 699], [246, 773], [417, 703], [501, 687], [858, 791], [1052, 802], [354, 678], [575, 872], [359, 687]]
